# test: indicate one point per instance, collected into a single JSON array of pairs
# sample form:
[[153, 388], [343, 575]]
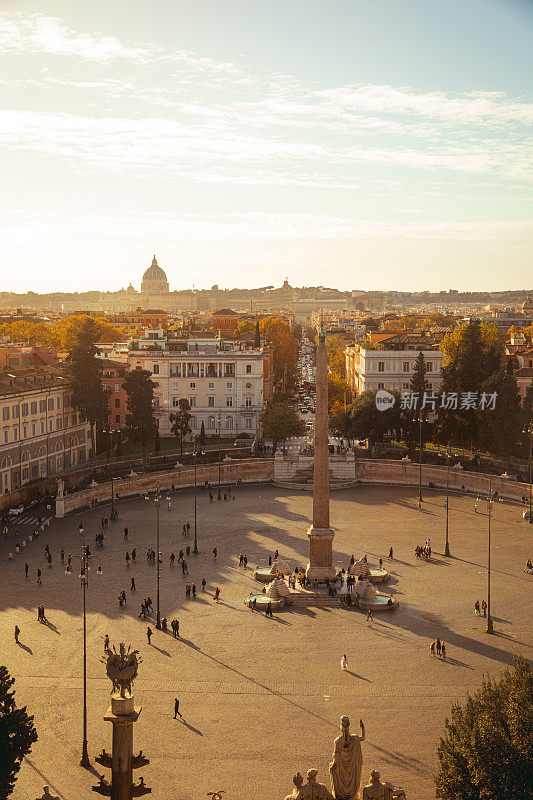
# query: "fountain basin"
[[378, 575], [378, 603], [262, 601]]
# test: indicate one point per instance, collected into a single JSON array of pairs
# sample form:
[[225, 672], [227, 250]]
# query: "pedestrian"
[[126, 532], [177, 708], [193, 591], [432, 649], [180, 556], [127, 559], [184, 533], [169, 506], [215, 551], [203, 584], [133, 589], [106, 642], [217, 594], [133, 554], [49, 559], [443, 650], [39, 576], [245, 561], [149, 603], [344, 662], [381, 563], [240, 559], [438, 646], [62, 556], [484, 608], [253, 605], [149, 634], [369, 617], [26, 568], [177, 629], [269, 560], [419, 505], [172, 558], [476, 608], [188, 590], [17, 631], [210, 497], [269, 609]]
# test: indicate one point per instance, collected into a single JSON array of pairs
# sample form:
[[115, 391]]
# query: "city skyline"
[[351, 146]]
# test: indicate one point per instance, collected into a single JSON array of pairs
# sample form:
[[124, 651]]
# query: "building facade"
[[227, 383], [112, 376], [42, 435], [370, 369]]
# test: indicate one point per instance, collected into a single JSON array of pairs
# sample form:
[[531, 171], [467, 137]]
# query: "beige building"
[[391, 369], [224, 381], [42, 435]]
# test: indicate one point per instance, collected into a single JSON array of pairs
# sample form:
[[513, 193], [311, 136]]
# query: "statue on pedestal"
[[312, 790], [122, 668], [60, 488], [347, 765], [376, 790]]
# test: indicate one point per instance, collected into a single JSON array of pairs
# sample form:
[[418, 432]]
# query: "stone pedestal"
[[320, 565]]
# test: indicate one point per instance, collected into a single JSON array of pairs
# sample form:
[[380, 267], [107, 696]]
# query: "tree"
[[500, 427], [342, 422], [280, 421], [277, 331], [487, 750], [157, 441], [88, 394], [338, 390], [257, 336], [371, 423], [140, 422], [17, 734], [201, 437], [180, 421], [335, 346]]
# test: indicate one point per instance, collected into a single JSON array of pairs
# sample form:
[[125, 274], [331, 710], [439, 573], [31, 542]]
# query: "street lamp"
[[490, 627], [113, 513], [420, 462], [84, 578], [529, 431], [447, 545], [195, 453], [157, 502], [219, 496]]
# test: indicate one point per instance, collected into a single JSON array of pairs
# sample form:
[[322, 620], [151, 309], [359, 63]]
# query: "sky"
[[361, 144]]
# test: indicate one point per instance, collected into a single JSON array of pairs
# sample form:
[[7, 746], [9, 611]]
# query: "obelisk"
[[320, 534]]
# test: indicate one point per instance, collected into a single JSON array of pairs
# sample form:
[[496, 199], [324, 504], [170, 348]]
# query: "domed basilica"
[[155, 292]]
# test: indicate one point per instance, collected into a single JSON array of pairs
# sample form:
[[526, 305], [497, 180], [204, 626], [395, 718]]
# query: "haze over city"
[[348, 144]]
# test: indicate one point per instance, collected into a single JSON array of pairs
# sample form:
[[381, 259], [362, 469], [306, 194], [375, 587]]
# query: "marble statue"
[[312, 790], [60, 488], [346, 767], [122, 668], [376, 790]]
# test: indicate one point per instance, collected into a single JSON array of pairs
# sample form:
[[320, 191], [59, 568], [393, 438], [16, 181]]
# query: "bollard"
[[24, 543], [30, 537], [17, 549], [188, 550], [11, 556]]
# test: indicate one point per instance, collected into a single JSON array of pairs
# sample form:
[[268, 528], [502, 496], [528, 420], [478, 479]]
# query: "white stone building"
[[226, 382]]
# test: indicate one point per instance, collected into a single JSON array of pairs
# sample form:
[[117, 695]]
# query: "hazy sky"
[[350, 143]]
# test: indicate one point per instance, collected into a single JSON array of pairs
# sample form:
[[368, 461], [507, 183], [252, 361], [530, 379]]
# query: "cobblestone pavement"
[[262, 698]]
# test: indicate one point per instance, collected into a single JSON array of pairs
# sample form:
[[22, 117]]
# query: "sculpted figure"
[[60, 488], [310, 790], [122, 668], [347, 765], [376, 790]]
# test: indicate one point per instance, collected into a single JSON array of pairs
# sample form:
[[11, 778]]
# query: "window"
[[211, 423], [248, 369], [192, 385], [405, 386], [24, 431], [211, 401], [59, 447], [381, 366], [50, 424], [248, 385], [248, 423], [117, 387], [58, 402], [381, 385], [15, 410], [50, 404], [211, 385], [429, 365], [193, 370], [25, 474], [59, 462], [155, 369], [52, 464], [42, 426], [59, 423], [42, 406], [6, 435], [229, 370], [248, 402], [117, 402], [192, 401], [42, 450], [175, 401], [175, 370], [192, 422], [229, 422], [35, 470], [156, 402], [229, 402], [25, 409], [211, 371], [15, 434], [229, 385], [405, 366], [5, 413], [117, 418], [34, 407], [25, 455], [33, 429]]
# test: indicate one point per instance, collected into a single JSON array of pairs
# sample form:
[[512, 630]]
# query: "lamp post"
[[157, 502], [195, 549], [490, 627], [113, 512], [529, 431], [219, 496], [84, 578], [420, 461], [447, 545]]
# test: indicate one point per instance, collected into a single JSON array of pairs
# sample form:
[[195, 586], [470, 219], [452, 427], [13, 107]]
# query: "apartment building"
[[112, 377], [391, 367], [41, 434], [227, 383]]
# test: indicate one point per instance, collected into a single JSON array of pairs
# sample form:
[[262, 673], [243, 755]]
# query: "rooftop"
[[15, 381]]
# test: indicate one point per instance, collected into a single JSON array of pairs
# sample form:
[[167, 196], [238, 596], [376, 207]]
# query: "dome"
[[154, 272], [527, 305]]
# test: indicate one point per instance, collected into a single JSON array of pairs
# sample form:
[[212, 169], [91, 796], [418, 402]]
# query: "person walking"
[[432, 649], [39, 576], [169, 506], [369, 617], [188, 528], [62, 554], [172, 559], [126, 532], [194, 591], [438, 646], [26, 568], [184, 532], [344, 663], [476, 608], [475, 508], [127, 559], [133, 589], [106, 642], [215, 551], [204, 582], [133, 554], [443, 650], [187, 590], [217, 594], [245, 561], [149, 633], [17, 631], [177, 634], [177, 708], [269, 609]]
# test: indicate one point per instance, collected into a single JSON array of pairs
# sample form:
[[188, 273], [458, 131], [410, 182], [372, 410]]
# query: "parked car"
[[16, 510]]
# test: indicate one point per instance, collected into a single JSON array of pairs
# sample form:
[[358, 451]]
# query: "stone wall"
[[248, 470]]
